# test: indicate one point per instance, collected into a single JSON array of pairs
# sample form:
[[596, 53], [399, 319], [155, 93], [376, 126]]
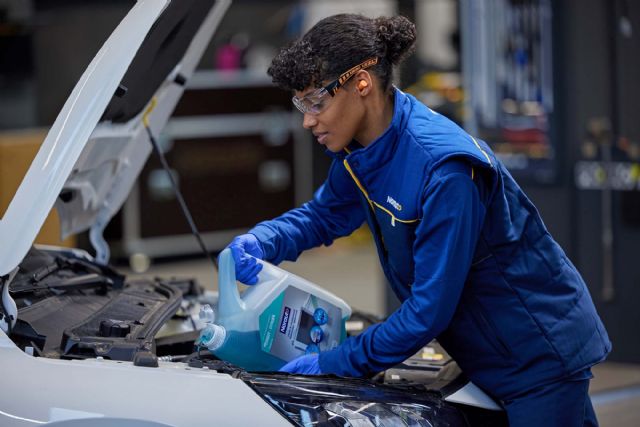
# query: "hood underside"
[[98, 144], [118, 148]]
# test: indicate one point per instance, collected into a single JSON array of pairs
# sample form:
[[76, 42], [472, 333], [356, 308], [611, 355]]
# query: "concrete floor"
[[350, 270], [615, 393]]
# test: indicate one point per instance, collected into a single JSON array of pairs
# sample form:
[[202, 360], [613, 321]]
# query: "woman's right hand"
[[247, 268]]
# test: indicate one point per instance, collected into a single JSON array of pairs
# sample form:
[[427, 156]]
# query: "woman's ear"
[[363, 82]]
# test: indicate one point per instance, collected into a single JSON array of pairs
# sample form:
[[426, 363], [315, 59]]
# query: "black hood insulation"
[[162, 49]]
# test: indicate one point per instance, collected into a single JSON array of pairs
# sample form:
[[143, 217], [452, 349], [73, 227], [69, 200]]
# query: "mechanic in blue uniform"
[[462, 246]]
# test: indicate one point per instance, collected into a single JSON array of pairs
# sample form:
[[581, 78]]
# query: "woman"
[[461, 245]]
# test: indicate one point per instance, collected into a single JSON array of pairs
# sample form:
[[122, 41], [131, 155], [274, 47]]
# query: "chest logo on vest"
[[393, 203]]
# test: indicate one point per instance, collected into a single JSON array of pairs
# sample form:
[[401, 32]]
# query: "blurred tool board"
[[553, 88], [508, 73]]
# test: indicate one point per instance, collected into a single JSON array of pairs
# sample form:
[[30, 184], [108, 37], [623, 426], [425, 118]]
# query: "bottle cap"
[[213, 336]]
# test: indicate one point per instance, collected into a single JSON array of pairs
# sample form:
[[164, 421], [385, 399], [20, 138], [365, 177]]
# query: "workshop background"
[[551, 85]]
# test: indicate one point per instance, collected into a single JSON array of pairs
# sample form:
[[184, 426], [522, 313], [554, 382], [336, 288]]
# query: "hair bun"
[[398, 34]]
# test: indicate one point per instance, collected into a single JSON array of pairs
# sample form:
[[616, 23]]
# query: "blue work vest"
[[525, 313], [525, 317]]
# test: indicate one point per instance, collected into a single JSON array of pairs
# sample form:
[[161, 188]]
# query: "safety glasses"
[[317, 101]]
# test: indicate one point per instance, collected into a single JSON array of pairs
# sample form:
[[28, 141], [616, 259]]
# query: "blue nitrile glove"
[[306, 365], [247, 268]]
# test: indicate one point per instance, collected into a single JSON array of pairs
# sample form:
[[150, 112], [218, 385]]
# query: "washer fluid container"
[[281, 317]]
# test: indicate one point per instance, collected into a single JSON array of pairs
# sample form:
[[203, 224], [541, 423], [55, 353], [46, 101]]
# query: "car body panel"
[[172, 394]]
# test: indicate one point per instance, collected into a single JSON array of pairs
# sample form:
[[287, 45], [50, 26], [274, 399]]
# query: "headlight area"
[[331, 401]]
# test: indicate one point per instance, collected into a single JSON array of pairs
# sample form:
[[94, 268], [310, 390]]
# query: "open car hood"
[[98, 144]]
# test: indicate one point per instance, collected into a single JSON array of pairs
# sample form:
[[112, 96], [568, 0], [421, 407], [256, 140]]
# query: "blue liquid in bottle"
[[243, 349]]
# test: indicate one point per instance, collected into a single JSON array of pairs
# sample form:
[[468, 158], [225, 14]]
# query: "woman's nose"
[[309, 121]]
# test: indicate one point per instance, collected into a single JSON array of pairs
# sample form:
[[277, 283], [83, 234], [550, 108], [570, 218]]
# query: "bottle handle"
[[229, 301], [268, 272]]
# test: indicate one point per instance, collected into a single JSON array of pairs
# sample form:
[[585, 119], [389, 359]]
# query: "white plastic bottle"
[[280, 318]]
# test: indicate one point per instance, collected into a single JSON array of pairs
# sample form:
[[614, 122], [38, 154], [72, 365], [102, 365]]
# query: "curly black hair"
[[339, 42]]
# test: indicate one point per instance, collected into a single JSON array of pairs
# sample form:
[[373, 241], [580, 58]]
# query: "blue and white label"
[[296, 320]]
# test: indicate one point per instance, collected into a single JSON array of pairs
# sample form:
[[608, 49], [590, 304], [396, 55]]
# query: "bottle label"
[[288, 325]]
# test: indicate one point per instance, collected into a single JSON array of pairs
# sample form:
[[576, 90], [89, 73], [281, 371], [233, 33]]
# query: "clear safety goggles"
[[317, 101]]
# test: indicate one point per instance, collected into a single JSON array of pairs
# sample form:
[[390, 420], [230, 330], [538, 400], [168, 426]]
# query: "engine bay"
[[70, 307]]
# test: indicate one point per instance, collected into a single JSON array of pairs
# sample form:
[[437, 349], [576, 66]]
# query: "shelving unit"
[[240, 155]]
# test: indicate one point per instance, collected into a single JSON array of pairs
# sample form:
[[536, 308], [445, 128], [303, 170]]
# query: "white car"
[[80, 345]]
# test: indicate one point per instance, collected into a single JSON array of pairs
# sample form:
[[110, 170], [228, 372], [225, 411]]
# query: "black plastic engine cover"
[[63, 316], [142, 306]]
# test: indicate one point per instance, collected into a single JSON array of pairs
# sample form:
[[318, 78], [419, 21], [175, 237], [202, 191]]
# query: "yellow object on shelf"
[[17, 151]]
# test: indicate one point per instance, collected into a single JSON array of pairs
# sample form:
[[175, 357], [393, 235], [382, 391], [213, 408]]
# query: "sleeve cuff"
[[267, 238], [335, 362], [328, 361]]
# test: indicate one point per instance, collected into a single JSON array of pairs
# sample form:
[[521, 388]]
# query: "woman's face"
[[336, 126]]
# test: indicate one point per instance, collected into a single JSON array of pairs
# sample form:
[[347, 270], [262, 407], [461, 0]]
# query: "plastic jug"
[[280, 318]]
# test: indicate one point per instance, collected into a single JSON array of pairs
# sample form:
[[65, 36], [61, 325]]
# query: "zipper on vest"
[[371, 202]]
